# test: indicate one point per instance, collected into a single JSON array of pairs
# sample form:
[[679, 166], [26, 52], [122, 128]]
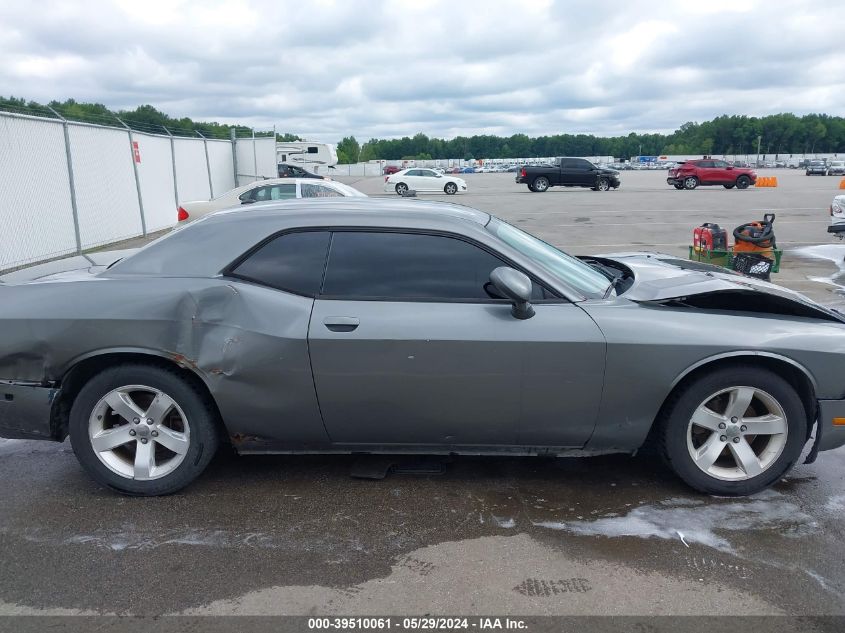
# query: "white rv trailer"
[[314, 157]]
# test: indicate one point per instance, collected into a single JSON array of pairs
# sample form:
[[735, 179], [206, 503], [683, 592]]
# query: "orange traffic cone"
[[842, 184], [759, 182], [774, 181]]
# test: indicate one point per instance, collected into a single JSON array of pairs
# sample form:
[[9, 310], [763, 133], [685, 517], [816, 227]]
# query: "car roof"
[[205, 247]]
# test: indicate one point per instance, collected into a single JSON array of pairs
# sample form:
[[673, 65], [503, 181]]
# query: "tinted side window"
[[292, 262], [318, 191], [397, 266]]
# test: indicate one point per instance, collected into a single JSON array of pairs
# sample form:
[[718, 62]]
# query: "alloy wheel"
[[737, 433], [541, 184], [139, 432]]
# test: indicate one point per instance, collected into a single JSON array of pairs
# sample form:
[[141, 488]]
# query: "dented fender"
[[247, 343]]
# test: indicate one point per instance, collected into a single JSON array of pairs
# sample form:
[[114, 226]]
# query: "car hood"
[[662, 278]]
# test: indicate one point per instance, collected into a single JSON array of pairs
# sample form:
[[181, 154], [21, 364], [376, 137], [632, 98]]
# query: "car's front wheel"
[[743, 182], [603, 184], [735, 431], [540, 184], [401, 188], [142, 430], [451, 189]]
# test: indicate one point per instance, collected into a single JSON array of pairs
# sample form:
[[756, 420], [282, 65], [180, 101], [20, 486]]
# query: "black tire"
[[540, 184], [690, 183], [450, 189], [676, 415], [530, 188], [603, 184], [678, 187], [731, 187], [204, 434], [743, 182], [401, 188]]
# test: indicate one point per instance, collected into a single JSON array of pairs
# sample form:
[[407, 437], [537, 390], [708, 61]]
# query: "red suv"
[[692, 173]]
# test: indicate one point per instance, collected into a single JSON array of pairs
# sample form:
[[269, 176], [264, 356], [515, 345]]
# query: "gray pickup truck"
[[568, 172]]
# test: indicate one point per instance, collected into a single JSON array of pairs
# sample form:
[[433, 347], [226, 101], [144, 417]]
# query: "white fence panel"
[[107, 199], [191, 170], [265, 152], [246, 161], [358, 169], [155, 173], [36, 217], [222, 166]]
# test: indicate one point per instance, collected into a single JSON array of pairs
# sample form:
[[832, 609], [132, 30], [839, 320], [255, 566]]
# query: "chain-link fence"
[[69, 186]]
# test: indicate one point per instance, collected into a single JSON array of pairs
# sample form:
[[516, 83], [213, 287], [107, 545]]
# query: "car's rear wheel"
[[142, 430], [603, 184], [690, 182], [540, 184], [735, 431], [730, 187], [451, 189], [743, 182], [401, 188]]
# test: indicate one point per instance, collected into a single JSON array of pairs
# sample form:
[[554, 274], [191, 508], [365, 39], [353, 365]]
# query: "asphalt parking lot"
[[607, 535]]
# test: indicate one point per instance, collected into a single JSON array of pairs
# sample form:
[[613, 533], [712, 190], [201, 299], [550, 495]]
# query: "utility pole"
[[759, 140]]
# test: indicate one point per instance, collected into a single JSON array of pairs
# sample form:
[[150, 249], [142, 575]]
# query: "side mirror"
[[247, 201], [515, 286], [730, 166], [438, 175]]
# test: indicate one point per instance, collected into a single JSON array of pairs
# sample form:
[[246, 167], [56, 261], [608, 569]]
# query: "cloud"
[[329, 68]]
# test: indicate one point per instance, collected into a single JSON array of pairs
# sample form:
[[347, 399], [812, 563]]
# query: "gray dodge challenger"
[[402, 327]]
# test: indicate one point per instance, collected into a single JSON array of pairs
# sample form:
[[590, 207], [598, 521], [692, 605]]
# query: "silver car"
[[400, 326]]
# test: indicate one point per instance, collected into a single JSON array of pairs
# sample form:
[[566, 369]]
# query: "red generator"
[[710, 237]]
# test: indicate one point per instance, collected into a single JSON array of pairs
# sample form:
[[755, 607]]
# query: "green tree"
[[348, 151], [368, 153]]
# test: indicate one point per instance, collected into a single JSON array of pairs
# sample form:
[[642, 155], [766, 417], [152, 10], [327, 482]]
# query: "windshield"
[[586, 279]]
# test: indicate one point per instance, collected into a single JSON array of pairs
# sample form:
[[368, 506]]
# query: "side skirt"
[[245, 445]]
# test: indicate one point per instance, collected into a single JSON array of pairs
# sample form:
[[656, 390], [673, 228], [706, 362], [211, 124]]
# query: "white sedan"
[[837, 217], [264, 190], [423, 180]]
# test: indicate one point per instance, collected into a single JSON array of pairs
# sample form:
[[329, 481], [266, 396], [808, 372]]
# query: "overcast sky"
[[328, 68]]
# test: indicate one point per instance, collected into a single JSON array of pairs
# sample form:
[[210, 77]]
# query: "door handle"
[[341, 323]]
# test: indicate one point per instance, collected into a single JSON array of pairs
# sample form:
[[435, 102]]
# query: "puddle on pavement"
[[831, 252], [696, 521]]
